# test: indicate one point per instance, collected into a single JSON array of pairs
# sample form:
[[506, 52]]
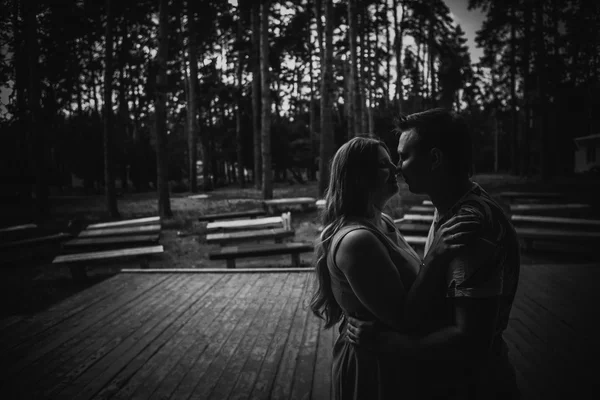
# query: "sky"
[[470, 21]]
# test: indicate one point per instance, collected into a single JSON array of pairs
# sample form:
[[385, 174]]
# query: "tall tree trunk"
[[543, 129], [398, 36], [164, 202], [431, 68], [192, 108], [267, 178], [256, 94], [109, 179], [24, 137], [311, 105], [327, 87], [363, 67], [126, 143], [355, 110], [514, 136], [240, 94], [388, 58], [370, 63], [527, 93]]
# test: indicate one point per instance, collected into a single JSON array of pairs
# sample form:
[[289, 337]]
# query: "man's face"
[[414, 166]]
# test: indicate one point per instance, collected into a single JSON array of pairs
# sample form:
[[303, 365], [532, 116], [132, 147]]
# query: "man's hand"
[[361, 333], [365, 334]]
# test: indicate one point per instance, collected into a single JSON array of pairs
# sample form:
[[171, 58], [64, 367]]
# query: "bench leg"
[[231, 263], [144, 263], [78, 272], [296, 260]]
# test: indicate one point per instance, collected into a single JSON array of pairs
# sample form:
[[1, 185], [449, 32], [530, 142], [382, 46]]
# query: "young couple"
[[413, 328]]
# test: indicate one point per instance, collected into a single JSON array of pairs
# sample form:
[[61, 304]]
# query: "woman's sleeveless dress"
[[358, 373]]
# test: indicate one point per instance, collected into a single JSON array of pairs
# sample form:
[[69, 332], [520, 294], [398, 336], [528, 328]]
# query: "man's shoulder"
[[492, 215]]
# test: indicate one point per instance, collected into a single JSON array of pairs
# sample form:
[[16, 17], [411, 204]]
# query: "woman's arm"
[[372, 275]]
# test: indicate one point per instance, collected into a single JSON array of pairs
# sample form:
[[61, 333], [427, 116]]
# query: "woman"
[[365, 268]]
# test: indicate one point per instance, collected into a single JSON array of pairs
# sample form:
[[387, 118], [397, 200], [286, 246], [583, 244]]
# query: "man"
[[456, 312]]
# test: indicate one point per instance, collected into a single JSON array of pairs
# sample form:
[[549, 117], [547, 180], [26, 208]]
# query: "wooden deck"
[[234, 335]]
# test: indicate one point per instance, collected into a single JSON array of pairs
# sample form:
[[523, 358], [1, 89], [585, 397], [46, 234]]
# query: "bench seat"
[[543, 220], [77, 262], [422, 210], [247, 224], [272, 206], [110, 241], [125, 223], [121, 231], [231, 215], [231, 253], [225, 238], [35, 240], [407, 227]]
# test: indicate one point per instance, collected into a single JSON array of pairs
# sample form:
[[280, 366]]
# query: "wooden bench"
[[422, 218], [530, 196], [231, 253], [125, 223], [230, 215], [560, 236], [526, 208], [121, 231], [548, 221], [112, 242], [17, 228], [275, 205], [423, 210], [78, 262], [228, 238], [57, 237], [407, 228], [247, 224]]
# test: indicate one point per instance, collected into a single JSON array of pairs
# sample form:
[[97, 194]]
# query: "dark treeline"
[[266, 91]]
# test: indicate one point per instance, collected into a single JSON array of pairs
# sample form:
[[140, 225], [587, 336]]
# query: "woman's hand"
[[453, 235]]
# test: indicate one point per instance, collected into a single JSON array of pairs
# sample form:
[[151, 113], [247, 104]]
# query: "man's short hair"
[[445, 130]]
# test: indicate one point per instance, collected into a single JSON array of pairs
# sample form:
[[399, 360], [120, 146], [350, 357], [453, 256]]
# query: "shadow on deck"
[[251, 335]]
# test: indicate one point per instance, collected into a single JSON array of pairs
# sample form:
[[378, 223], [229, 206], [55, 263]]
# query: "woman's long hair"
[[348, 196]]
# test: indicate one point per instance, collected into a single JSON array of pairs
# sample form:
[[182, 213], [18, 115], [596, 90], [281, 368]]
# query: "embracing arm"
[[372, 275], [450, 237]]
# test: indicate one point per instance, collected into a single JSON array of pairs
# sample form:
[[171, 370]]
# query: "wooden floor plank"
[[284, 379], [158, 373], [34, 324], [305, 365], [249, 373], [536, 353], [38, 345], [215, 337], [221, 301], [103, 371], [136, 372], [225, 384], [217, 382], [321, 388], [527, 391], [214, 363], [266, 375], [102, 338]]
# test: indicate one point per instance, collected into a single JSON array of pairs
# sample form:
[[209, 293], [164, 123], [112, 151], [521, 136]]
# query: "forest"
[[138, 95]]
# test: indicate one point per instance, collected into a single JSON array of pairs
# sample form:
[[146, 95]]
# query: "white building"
[[587, 153]]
